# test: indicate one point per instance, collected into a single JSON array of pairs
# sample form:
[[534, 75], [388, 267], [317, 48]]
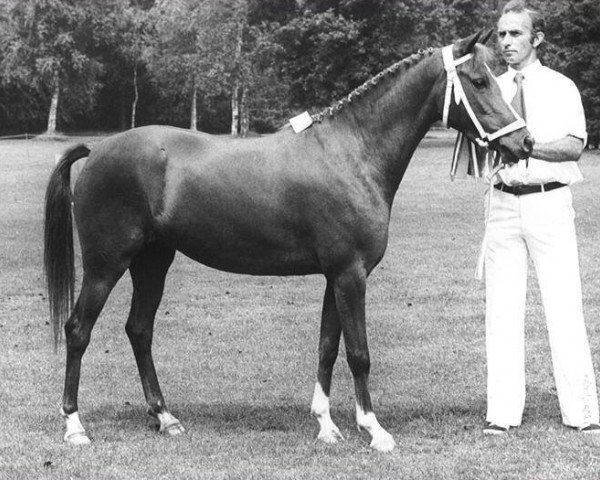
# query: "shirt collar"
[[529, 70]]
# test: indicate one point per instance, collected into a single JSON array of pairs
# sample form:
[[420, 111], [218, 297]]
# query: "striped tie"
[[518, 102]]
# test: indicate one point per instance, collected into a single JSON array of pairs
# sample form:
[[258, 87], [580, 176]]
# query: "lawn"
[[237, 355]]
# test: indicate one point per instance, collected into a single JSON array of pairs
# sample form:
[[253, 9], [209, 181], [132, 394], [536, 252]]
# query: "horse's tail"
[[58, 240]]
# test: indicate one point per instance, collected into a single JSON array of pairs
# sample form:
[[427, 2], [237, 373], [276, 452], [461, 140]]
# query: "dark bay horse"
[[314, 202]]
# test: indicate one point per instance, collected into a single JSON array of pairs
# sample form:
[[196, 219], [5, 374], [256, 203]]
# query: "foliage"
[[48, 41], [193, 48], [320, 60], [576, 25], [296, 54]]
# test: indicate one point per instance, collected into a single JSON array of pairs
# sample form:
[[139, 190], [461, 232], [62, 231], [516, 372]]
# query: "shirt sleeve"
[[572, 112]]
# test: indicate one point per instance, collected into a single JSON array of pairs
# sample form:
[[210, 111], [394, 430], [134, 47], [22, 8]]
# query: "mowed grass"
[[237, 355]]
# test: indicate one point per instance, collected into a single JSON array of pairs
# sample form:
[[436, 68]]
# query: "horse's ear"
[[465, 46], [486, 36]]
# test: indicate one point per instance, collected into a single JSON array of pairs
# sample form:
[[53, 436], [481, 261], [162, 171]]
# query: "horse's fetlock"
[[154, 408], [67, 409]]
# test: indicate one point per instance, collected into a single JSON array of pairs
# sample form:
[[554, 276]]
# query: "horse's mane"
[[484, 54], [370, 84]]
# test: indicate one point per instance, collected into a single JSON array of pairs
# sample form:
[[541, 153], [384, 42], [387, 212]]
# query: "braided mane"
[[369, 84]]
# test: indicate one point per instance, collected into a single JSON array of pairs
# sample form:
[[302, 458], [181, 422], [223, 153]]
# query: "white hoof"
[[75, 434], [77, 438], [330, 435], [170, 425], [383, 443], [328, 432], [173, 429]]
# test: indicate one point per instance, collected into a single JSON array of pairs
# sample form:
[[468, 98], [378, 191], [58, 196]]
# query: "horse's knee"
[[139, 337], [359, 361], [135, 332]]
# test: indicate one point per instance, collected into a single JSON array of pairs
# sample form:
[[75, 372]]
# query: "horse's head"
[[473, 103]]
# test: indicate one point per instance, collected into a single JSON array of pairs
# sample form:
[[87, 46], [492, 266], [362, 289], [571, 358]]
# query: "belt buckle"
[[518, 189]]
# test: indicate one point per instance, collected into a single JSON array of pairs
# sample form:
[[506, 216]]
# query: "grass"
[[237, 355]]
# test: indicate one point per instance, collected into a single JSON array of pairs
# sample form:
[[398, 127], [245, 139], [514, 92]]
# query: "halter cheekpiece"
[[453, 84]]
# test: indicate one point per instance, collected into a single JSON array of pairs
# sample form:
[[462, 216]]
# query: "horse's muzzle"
[[528, 143], [512, 150]]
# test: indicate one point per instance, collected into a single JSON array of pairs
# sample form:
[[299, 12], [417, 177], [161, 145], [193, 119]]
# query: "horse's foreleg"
[[328, 350], [350, 289], [78, 328], [148, 271]]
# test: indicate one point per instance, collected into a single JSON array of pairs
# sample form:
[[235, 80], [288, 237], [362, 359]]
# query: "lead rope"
[[481, 259]]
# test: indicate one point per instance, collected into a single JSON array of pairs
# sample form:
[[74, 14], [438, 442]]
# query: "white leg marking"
[[75, 434], [382, 440], [169, 424], [328, 433]]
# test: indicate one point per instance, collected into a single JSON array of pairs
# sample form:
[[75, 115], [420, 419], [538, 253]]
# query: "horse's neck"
[[393, 118]]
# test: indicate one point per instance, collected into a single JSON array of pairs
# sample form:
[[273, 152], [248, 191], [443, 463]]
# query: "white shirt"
[[553, 109]]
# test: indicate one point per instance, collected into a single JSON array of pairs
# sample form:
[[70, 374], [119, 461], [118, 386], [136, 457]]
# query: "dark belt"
[[527, 189]]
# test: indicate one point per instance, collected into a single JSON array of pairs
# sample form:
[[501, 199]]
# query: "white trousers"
[[540, 225]]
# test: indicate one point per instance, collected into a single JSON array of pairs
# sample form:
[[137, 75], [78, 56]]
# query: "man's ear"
[[538, 38]]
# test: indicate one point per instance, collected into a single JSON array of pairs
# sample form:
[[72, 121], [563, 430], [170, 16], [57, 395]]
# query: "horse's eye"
[[479, 83]]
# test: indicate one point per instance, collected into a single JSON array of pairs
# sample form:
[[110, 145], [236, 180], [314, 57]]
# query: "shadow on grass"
[[202, 417], [427, 420]]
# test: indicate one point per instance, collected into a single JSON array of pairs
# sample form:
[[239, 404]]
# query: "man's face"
[[515, 35]]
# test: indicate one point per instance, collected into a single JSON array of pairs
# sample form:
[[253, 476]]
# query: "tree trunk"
[[52, 114], [235, 110], [194, 109], [135, 95], [235, 94], [244, 117]]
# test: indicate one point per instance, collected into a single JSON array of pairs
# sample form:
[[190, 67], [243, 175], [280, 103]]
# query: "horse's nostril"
[[528, 143]]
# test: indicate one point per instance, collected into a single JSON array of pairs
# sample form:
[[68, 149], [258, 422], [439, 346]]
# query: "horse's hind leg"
[[95, 289], [148, 271], [329, 342]]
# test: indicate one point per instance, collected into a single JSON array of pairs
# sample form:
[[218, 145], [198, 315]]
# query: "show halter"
[[453, 84]]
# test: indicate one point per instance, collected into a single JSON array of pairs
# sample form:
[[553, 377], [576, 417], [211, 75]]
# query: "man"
[[531, 214]]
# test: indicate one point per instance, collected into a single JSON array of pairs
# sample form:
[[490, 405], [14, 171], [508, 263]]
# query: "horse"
[[317, 201]]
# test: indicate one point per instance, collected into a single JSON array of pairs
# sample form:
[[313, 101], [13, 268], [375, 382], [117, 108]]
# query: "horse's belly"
[[250, 258], [246, 244]]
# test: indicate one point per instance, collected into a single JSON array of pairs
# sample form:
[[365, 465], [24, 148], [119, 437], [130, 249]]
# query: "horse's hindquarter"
[[262, 206]]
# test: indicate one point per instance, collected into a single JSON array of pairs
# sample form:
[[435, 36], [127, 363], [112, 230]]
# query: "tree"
[[133, 39], [572, 45], [320, 58], [48, 50], [194, 48]]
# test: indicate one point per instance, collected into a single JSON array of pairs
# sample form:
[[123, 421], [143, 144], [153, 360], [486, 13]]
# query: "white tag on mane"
[[301, 122]]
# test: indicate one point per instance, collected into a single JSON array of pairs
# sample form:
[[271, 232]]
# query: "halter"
[[453, 83]]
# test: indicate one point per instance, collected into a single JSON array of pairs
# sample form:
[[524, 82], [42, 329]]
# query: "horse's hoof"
[[173, 428], [331, 435], [383, 443], [77, 439]]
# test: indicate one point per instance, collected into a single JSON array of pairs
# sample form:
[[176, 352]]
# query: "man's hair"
[[520, 6]]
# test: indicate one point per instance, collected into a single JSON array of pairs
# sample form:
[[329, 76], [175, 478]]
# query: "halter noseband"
[[453, 84]]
